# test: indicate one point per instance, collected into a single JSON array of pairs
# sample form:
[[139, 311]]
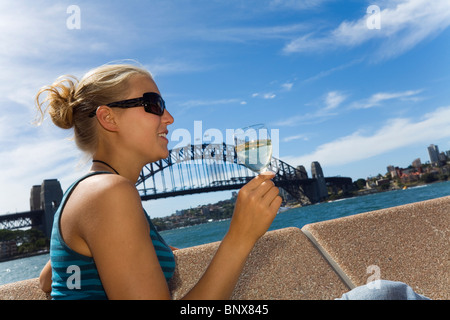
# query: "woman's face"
[[145, 134]]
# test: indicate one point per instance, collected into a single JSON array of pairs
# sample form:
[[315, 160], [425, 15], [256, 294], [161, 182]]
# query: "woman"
[[103, 244]]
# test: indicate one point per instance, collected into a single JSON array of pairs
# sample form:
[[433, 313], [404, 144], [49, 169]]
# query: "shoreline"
[[25, 255], [290, 206]]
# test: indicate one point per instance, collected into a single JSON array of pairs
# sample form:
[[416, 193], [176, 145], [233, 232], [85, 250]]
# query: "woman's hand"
[[256, 207]]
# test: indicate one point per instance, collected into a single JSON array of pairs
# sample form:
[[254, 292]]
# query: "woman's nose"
[[167, 117]]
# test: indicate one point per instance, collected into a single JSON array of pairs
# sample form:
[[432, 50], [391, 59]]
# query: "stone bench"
[[323, 260]]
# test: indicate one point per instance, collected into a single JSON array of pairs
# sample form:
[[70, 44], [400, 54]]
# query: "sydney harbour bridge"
[[215, 167], [188, 170]]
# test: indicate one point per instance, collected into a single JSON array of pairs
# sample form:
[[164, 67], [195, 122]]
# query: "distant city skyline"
[[434, 156]]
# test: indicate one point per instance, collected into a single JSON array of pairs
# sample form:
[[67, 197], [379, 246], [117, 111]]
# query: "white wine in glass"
[[254, 147]]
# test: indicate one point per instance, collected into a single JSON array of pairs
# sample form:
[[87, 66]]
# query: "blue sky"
[[353, 97]]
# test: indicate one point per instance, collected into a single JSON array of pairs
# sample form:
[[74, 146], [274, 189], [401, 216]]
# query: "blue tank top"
[[75, 276]]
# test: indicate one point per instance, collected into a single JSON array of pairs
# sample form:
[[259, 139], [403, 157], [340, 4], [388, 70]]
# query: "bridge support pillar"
[[50, 196], [320, 188]]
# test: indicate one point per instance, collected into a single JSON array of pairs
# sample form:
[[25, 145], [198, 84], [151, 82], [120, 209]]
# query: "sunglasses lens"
[[155, 109], [154, 103]]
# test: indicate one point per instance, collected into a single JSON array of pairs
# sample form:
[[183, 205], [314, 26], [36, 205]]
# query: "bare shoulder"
[[104, 189], [105, 201], [97, 206], [104, 183]]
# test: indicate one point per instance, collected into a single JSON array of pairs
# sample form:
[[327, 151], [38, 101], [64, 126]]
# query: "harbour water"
[[26, 268]]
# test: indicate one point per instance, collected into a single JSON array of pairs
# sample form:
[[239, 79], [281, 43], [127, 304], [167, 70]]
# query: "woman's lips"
[[164, 135]]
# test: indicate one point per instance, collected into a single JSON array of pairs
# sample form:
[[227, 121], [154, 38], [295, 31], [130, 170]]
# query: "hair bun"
[[60, 101]]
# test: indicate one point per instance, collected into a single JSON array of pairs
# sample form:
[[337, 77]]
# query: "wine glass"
[[254, 148]]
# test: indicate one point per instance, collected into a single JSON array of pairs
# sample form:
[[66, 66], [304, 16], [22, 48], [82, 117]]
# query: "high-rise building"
[[433, 151], [417, 163]]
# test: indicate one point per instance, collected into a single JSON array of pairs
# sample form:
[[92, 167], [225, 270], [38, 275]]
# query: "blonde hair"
[[69, 101]]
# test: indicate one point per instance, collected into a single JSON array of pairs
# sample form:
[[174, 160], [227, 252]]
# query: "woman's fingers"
[[262, 189], [258, 180], [276, 203], [256, 207], [270, 194]]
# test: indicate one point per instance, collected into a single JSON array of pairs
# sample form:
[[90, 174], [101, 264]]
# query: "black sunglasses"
[[151, 101]]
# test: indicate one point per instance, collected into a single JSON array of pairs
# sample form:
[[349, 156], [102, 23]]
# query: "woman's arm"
[[45, 278], [256, 207]]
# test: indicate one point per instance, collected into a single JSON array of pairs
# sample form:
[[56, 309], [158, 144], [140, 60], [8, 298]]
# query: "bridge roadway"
[[21, 220], [222, 185]]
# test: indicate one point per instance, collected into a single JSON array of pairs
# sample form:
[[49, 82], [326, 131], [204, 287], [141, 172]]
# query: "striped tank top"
[[75, 276]]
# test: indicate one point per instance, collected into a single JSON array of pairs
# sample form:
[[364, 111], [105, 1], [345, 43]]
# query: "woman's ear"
[[105, 117]]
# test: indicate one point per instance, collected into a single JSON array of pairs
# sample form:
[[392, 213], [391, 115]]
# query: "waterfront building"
[[433, 151], [8, 248], [417, 163], [392, 170]]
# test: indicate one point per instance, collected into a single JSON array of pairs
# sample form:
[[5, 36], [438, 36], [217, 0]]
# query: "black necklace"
[[105, 164]]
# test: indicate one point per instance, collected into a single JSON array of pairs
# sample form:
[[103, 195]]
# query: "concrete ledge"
[[283, 265], [408, 243], [23, 290]]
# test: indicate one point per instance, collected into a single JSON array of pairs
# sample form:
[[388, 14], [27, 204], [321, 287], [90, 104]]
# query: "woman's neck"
[[121, 165]]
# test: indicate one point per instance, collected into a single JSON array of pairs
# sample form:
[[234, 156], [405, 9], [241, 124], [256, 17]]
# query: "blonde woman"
[[101, 230]]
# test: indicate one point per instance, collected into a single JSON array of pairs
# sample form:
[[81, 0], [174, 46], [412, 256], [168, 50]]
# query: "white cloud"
[[329, 102], [395, 134], [296, 137], [29, 163], [326, 73], [246, 34], [287, 86], [267, 95], [403, 25], [377, 98], [333, 99], [307, 118]]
